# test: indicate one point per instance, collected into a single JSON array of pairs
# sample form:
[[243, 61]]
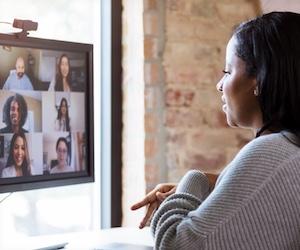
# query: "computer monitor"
[[46, 113]]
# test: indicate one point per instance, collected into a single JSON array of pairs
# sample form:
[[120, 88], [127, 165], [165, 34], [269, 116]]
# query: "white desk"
[[87, 240]]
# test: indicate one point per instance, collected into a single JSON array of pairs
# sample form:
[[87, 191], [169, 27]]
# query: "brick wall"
[[155, 142], [184, 50]]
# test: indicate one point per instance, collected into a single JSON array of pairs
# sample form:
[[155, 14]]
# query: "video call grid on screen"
[[46, 107]]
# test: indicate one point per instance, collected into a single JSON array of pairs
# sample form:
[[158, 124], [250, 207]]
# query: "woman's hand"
[[159, 194], [154, 199]]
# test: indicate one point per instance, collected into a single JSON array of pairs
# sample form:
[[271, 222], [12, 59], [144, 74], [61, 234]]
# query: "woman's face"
[[14, 113], [19, 151], [64, 66], [63, 108], [62, 153], [240, 104]]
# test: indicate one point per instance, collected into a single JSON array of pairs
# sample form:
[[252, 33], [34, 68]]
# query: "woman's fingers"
[[138, 205], [153, 200], [149, 212], [162, 196], [165, 188], [150, 197], [159, 197]]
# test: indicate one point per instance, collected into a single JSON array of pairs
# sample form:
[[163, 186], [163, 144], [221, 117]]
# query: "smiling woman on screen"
[[62, 80], [18, 161]]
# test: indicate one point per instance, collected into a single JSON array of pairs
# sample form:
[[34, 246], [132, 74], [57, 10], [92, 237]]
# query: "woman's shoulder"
[[259, 159], [264, 152], [52, 84], [58, 170], [54, 170], [8, 172], [69, 169], [282, 142]]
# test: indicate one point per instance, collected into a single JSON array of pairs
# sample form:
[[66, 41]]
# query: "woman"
[[62, 122], [62, 81], [15, 112], [18, 161], [256, 201], [62, 151]]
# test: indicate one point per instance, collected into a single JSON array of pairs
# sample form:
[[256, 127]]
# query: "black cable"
[[6, 197]]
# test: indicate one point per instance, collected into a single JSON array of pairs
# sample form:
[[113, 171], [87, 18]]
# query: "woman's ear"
[[255, 91], [255, 86]]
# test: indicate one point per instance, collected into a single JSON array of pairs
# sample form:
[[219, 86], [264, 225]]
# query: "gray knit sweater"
[[255, 203]]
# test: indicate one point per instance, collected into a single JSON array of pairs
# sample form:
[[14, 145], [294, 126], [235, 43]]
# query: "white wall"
[[133, 172]]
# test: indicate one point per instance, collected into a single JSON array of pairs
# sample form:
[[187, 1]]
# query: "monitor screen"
[[46, 113]]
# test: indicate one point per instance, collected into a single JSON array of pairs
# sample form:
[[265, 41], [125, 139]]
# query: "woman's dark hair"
[[59, 114], [26, 168], [59, 77], [22, 109], [270, 47], [63, 139]]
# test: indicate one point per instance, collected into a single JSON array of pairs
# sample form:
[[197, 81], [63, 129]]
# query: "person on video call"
[[255, 203], [62, 80], [62, 122], [17, 78], [14, 114], [62, 151], [18, 161]]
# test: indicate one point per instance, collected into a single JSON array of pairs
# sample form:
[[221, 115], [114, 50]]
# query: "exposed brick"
[[207, 95], [191, 74], [227, 12], [183, 118], [150, 48], [150, 122], [175, 174], [174, 97], [190, 64], [150, 4], [192, 53], [150, 23], [176, 139], [151, 73], [210, 141], [202, 8], [205, 162], [215, 118], [180, 28], [152, 174], [150, 98], [150, 147], [175, 5], [172, 161], [212, 30], [179, 97], [221, 119]]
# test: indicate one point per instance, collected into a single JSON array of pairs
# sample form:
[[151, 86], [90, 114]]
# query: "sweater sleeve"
[[194, 219], [191, 191]]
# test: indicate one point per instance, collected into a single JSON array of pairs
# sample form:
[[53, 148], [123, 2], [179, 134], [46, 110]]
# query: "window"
[[69, 208]]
